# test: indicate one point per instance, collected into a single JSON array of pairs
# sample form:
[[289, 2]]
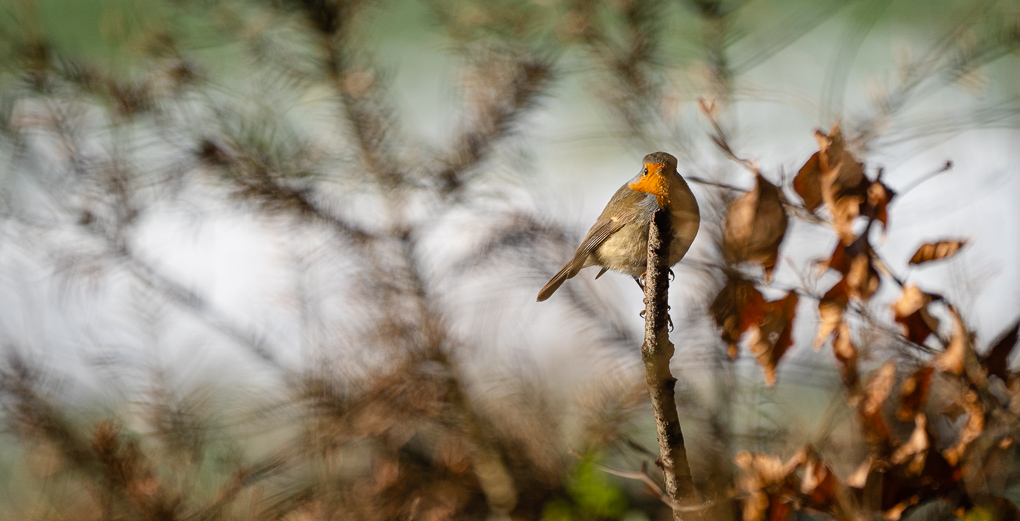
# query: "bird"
[[618, 240]]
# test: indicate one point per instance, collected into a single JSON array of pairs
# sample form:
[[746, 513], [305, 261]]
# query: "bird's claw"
[[669, 319], [671, 275]]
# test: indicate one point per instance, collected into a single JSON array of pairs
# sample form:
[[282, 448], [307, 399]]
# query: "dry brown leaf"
[[862, 280], [914, 392], [808, 182], [767, 484], [934, 251], [971, 430], [855, 263], [844, 186], [820, 486], [835, 178], [772, 337], [860, 476], [954, 359], [911, 311], [737, 307], [880, 383], [879, 196], [996, 360], [844, 350], [755, 225], [915, 449]]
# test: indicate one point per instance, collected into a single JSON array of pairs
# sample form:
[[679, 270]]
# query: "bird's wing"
[[608, 224]]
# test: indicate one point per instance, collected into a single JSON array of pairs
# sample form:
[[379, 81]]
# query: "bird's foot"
[[669, 319], [671, 275]]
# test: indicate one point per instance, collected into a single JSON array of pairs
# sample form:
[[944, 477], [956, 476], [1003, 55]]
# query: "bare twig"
[[656, 353]]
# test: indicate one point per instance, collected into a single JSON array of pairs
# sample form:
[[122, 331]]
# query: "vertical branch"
[[656, 352]]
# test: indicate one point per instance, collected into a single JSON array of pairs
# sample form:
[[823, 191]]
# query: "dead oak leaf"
[[876, 390], [911, 311], [830, 309], [755, 225], [996, 360], [934, 251], [773, 336], [737, 307], [973, 428], [914, 451], [914, 393], [954, 359], [835, 178], [877, 203], [854, 261]]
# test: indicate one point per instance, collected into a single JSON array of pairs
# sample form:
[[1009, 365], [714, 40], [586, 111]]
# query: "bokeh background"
[[279, 259]]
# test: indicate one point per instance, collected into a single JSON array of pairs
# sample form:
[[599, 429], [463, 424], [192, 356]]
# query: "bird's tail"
[[558, 279]]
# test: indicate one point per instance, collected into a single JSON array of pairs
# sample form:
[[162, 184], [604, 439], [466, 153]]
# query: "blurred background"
[[278, 259]]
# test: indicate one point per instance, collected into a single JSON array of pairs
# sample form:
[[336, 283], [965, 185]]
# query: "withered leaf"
[[911, 311], [915, 449], [854, 261], [819, 485], [971, 430], [934, 251], [835, 178], [954, 359], [845, 351], [737, 307], [877, 204], [808, 183], [877, 389], [831, 308], [755, 225], [996, 360], [914, 392], [767, 484], [772, 337]]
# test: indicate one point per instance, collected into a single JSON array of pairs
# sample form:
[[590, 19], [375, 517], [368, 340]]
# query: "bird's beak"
[[654, 182]]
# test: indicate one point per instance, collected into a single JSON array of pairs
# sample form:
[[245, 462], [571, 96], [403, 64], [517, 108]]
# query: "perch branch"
[[656, 354]]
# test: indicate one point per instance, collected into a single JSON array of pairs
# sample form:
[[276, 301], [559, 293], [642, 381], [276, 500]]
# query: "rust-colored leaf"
[[819, 485], [755, 225], [845, 351], [835, 178], [843, 185], [954, 359], [737, 307], [914, 393], [831, 308], [876, 390], [971, 430], [877, 204], [772, 337], [808, 183], [913, 452], [854, 261], [996, 360], [911, 311], [767, 485], [934, 251]]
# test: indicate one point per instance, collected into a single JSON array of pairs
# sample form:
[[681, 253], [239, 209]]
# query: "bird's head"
[[654, 176]]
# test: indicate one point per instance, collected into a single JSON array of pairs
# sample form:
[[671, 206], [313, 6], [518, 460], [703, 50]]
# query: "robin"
[[619, 239]]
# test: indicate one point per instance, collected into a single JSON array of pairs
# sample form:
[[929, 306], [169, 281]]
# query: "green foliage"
[[592, 495]]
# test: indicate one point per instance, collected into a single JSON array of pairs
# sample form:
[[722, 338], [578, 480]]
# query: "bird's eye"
[[645, 171]]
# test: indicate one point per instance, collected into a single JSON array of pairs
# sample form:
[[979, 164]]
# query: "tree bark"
[[656, 352]]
